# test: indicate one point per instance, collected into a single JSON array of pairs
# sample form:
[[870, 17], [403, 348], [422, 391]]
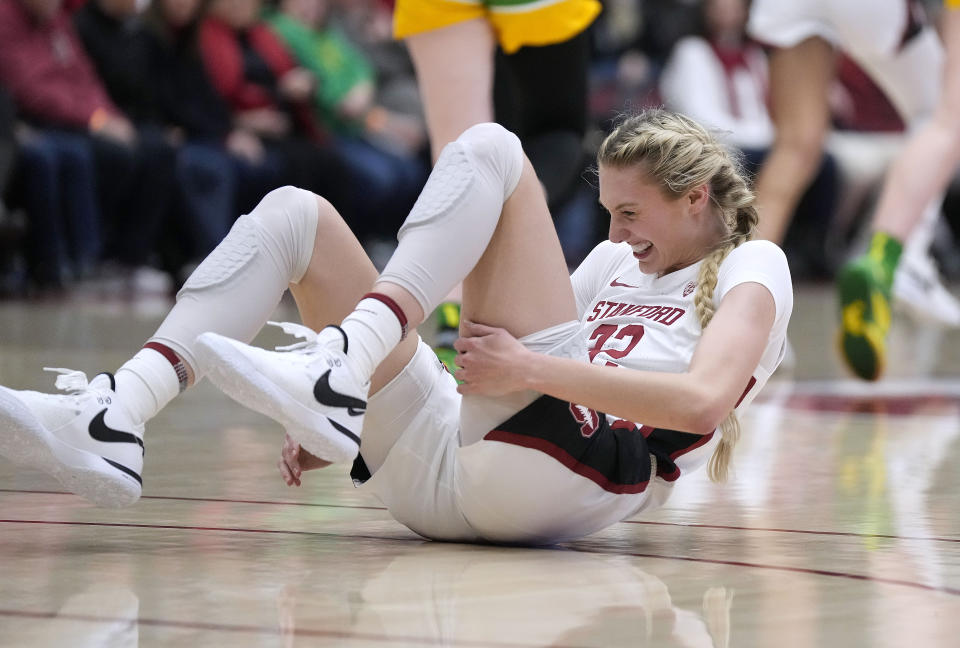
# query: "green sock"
[[884, 252]]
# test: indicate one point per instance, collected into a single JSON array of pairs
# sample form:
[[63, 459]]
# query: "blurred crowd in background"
[[134, 132]]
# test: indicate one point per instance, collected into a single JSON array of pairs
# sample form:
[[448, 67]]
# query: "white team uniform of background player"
[[872, 33], [503, 491], [905, 58]]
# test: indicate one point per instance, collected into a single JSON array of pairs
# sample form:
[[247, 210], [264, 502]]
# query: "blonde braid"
[[739, 200], [680, 154]]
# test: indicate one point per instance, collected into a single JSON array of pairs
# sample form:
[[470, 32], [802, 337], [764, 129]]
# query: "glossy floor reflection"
[[840, 528]]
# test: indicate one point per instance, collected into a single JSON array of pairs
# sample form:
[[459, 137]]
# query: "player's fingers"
[[464, 344], [290, 450], [286, 474], [475, 329]]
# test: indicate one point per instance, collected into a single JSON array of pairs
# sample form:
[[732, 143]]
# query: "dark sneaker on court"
[[864, 317], [84, 438], [311, 388]]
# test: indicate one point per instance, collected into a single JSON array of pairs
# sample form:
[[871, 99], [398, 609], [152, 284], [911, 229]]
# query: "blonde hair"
[[679, 154]]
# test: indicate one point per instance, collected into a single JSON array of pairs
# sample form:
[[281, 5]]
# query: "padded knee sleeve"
[[456, 213], [239, 284]]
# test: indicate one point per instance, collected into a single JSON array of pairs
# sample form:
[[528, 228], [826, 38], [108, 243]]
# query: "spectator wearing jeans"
[[69, 121]]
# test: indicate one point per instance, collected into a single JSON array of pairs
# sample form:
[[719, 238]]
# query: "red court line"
[[725, 527], [210, 499], [262, 630], [179, 527], [953, 591], [713, 561], [850, 534]]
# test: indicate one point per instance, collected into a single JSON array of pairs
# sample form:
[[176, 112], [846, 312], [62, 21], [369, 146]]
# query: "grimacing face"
[[666, 233]]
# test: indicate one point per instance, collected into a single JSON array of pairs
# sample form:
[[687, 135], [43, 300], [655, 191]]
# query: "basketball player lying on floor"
[[584, 397]]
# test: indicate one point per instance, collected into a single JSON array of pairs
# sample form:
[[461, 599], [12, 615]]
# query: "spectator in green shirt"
[[383, 148]]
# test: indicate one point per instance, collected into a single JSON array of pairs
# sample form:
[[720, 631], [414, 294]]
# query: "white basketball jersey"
[[639, 321]]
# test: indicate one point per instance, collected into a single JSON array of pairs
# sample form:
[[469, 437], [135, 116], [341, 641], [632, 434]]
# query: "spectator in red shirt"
[[269, 97], [65, 113]]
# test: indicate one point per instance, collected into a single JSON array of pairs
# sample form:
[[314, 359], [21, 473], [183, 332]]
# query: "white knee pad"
[[498, 153], [458, 210], [488, 154], [283, 225], [239, 284]]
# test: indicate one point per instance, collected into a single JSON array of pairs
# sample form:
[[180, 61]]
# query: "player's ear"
[[698, 197]]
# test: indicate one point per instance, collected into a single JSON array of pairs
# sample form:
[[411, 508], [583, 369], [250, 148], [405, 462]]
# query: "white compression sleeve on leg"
[[455, 216], [237, 287]]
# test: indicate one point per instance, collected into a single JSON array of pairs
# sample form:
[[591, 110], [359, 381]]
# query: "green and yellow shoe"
[[864, 316], [448, 330]]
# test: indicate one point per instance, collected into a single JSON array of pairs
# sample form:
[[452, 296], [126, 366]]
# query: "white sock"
[[373, 330], [146, 383]]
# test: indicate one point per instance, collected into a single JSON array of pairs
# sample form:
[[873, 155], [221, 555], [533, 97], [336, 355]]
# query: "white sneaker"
[[85, 438], [310, 387], [918, 290]]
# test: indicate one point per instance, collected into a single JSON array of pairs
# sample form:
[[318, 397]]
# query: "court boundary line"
[[952, 591], [693, 525]]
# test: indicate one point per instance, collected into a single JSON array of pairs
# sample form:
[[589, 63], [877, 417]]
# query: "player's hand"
[[492, 362], [294, 460]]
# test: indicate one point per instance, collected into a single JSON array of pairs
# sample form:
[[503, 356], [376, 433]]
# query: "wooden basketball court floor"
[[841, 526]]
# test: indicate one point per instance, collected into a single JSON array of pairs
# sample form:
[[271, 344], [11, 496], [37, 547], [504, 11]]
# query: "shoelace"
[[296, 330], [69, 380]]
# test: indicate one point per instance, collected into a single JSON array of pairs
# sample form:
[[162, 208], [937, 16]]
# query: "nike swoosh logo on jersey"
[[617, 284], [100, 431], [325, 395]]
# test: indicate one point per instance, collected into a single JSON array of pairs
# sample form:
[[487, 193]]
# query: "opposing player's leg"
[[799, 81], [898, 248], [454, 66]]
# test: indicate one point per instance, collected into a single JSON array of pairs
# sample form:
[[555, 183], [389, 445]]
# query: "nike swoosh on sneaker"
[[123, 468], [344, 431], [325, 395], [617, 284], [100, 431]]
